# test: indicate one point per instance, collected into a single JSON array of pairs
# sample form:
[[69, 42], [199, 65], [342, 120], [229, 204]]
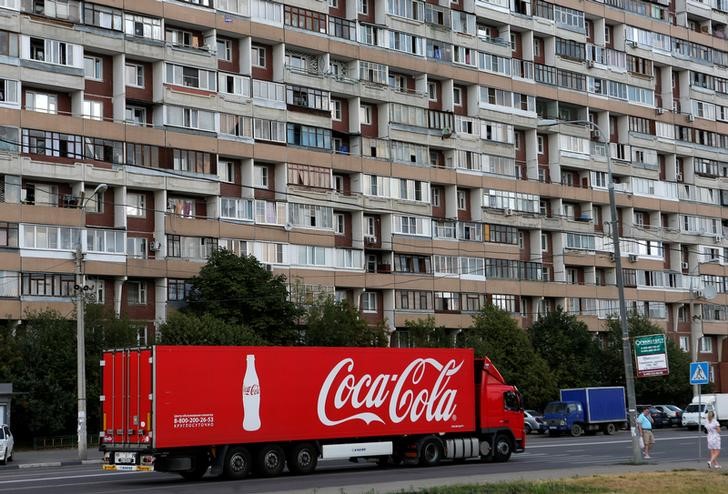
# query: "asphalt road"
[[545, 458]]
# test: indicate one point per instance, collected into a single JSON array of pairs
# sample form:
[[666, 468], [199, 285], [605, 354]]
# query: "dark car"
[[659, 418], [673, 412]]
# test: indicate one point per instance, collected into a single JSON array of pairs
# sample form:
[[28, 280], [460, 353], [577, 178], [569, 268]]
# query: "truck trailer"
[[588, 410], [235, 411]]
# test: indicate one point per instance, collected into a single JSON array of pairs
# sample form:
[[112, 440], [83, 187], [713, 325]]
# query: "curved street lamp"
[[626, 343]]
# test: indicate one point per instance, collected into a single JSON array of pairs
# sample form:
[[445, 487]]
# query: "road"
[[545, 458]]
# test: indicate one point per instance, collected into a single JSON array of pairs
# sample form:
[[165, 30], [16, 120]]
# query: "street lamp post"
[[81, 330], [626, 343]]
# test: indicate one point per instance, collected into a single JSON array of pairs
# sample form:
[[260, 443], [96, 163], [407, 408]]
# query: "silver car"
[[532, 423], [6, 444]]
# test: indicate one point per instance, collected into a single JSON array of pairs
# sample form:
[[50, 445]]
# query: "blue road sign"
[[699, 373]]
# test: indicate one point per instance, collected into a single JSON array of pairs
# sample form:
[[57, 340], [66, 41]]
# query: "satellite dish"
[[288, 227], [709, 292]]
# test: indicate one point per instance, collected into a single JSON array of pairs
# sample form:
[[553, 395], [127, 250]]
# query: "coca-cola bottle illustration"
[[251, 396]]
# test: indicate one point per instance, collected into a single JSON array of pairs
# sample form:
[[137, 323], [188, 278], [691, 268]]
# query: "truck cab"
[[562, 416]]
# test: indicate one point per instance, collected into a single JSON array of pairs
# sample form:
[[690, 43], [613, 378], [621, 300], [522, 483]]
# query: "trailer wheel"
[[302, 458], [576, 430], [610, 429], [430, 452], [502, 448], [237, 463], [270, 460]]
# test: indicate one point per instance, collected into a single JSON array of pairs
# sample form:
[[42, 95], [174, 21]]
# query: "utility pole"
[[626, 342], [81, 328]]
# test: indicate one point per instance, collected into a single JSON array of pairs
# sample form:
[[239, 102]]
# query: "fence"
[[63, 441]]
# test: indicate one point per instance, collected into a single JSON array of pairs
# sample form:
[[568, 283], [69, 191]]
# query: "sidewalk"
[[35, 458]]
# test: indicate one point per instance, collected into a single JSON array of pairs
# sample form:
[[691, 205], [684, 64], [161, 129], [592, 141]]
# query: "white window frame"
[[139, 76], [369, 302], [258, 53], [93, 110], [97, 67]]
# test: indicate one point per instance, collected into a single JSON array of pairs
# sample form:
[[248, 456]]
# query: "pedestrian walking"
[[644, 427], [712, 427]]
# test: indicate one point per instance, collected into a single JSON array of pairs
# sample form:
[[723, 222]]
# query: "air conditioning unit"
[[155, 246], [660, 111], [370, 240], [590, 63], [508, 211], [718, 239], [691, 117], [679, 177], [684, 265], [633, 44], [633, 258]]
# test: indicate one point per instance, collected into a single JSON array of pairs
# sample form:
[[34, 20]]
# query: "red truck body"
[[167, 399]]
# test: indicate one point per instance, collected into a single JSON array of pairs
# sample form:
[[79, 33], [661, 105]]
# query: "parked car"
[[673, 412], [693, 414], [6, 444], [659, 418], [533, 422]]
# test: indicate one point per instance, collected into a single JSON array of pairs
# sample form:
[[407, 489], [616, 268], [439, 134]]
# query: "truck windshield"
[[555, 407], [694, 408]]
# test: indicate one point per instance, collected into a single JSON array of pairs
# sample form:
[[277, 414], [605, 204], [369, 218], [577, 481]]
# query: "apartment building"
[[412, 157]]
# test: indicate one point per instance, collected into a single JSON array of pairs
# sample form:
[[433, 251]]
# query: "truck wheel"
[[610, 429], [302, 458], [577, 430], [237, 464], [430, 452], [270, 460], [502, 450]]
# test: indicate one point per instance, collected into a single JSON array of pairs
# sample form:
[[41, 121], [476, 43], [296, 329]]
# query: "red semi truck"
[[239, 410]]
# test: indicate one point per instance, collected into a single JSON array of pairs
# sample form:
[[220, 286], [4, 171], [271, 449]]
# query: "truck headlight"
[[563, 422]]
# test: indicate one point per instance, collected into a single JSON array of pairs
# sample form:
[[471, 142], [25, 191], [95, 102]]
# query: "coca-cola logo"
[[397, 397], [252, 390]]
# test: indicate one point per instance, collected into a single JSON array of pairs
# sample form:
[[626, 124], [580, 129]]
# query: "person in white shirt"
[[712, 427]]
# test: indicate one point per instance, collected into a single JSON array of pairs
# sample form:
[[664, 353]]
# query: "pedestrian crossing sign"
[[698, 372]]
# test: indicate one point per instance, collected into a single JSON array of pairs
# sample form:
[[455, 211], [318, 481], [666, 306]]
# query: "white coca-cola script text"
[[398, 396], [252, 390]]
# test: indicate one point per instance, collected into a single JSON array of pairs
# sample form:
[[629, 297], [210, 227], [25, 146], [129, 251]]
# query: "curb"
[[64, 463]]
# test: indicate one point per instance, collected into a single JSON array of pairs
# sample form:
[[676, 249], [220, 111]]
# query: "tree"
[[673, 388], [423, 333], [43, 368], [568, 347], [496, 334], [46, 380], [242, 292], [332, 323], [191, 329]]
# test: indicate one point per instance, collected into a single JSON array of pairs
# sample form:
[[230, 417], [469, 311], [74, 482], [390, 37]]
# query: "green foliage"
[[332, 323], [568, 347], [190, 329], [496, 334], [41, 362], [425, 334], [46, 344], [674, 388], [241, 292]]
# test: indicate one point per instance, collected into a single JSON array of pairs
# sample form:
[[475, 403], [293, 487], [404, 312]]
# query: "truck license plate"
[[553, 427], [125, 458]]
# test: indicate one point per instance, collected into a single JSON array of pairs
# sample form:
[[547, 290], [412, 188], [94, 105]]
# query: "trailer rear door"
[[127, 397]]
